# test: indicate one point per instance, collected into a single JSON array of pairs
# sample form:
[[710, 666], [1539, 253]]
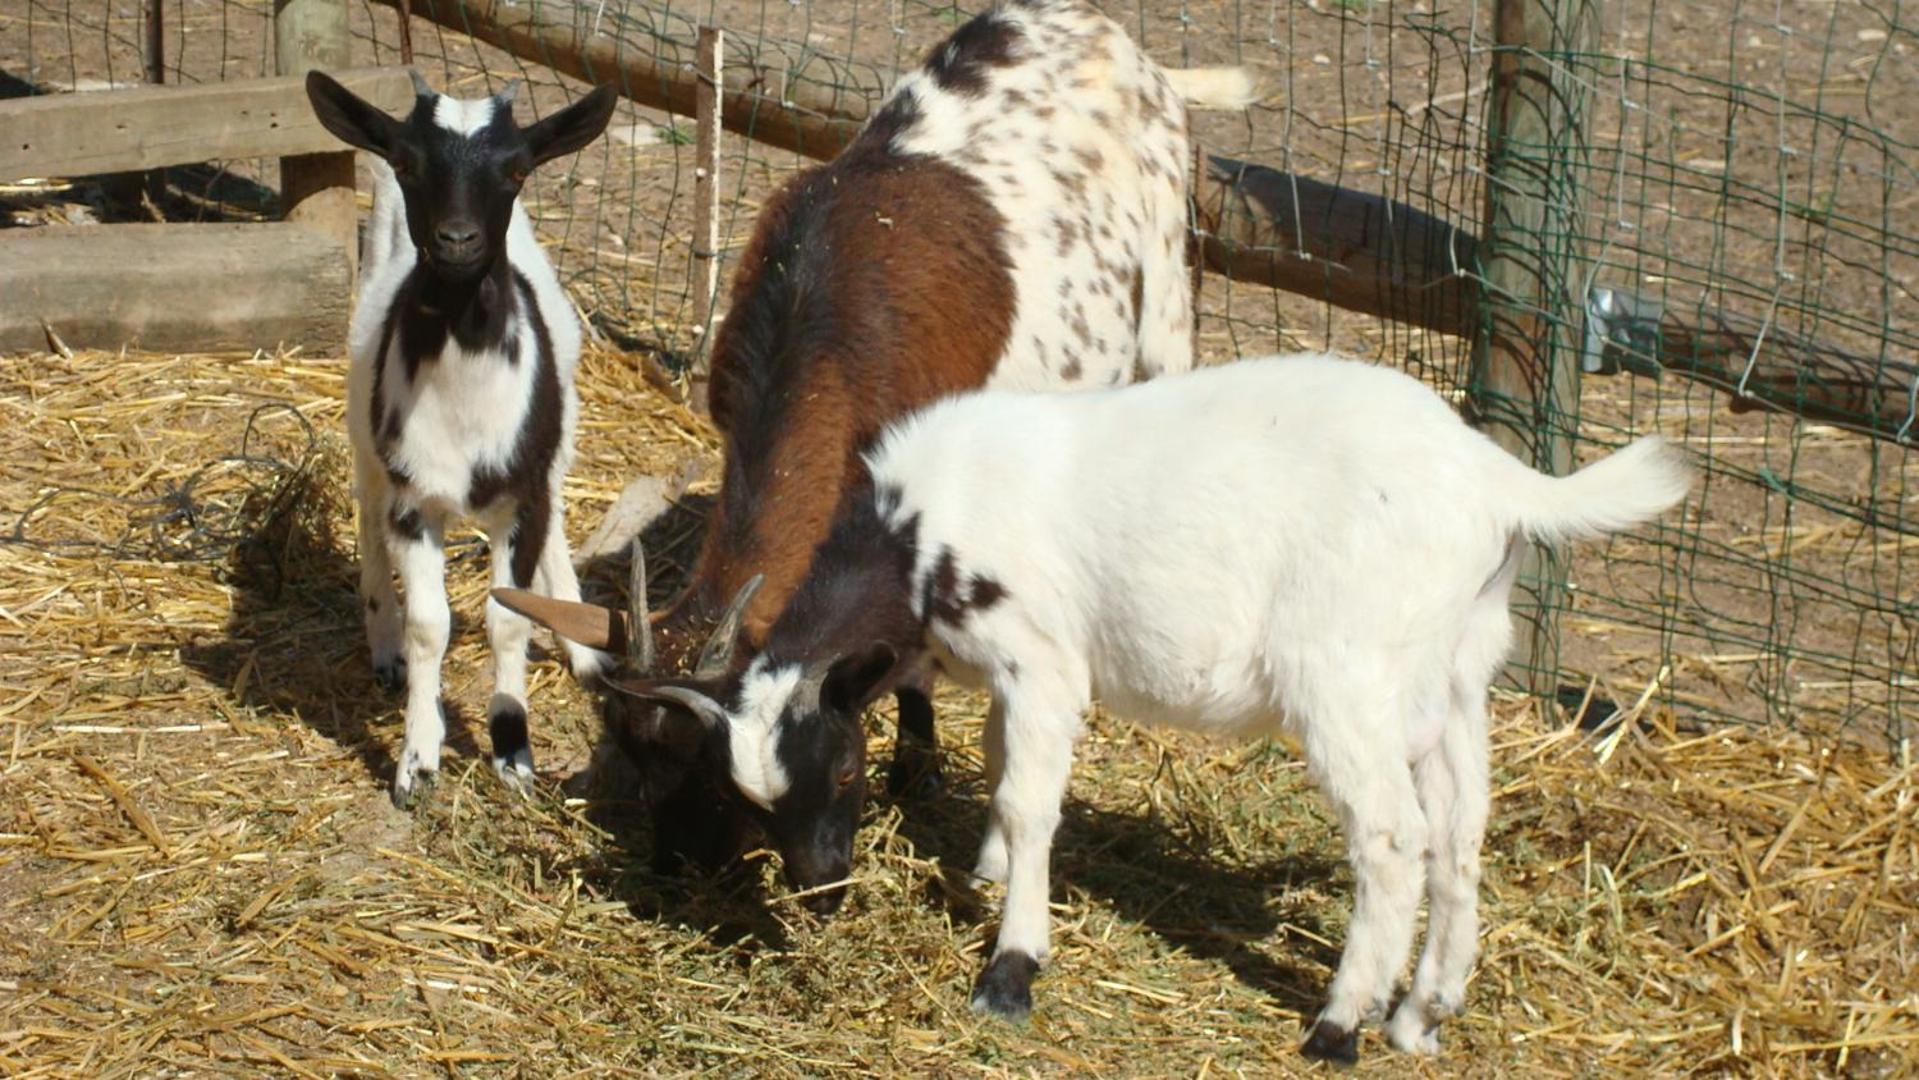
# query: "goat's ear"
[[572, 127], [690, 698], [584, 624], [856, 679], [349, 117]]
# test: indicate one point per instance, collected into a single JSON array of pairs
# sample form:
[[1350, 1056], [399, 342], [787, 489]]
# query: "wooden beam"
[[316, 190], [1527, 350], [1354, 250], [88, 134], [189, 287]]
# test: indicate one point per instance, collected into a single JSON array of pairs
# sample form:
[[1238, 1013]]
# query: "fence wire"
[[1751, 163]]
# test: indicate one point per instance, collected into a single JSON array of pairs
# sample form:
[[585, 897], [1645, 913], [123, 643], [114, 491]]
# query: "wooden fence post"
[[153, 57], [706, 204], [1525, 376], [316, 190]]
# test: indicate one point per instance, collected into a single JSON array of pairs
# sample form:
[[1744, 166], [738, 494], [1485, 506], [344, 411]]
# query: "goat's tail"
[[1623, 489], [1224, 88]]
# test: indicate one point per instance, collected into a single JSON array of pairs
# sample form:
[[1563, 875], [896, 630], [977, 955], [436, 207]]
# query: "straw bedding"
[[201, 874]]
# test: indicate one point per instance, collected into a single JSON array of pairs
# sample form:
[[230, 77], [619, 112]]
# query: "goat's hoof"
[[516, 772], [912, 776], [411, 784], [1332, 1043], [1005, 988], [512, 755], [390, 674], [1409, 1033]]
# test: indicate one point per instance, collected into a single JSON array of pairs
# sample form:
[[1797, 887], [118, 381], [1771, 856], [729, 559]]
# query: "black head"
[[459, 163], [789, 736]]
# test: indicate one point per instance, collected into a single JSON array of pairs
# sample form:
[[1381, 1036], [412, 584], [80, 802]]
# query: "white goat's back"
[[1222, 543]]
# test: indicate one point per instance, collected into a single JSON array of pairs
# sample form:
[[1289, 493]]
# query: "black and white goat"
[[460, 396], [1299, 544]]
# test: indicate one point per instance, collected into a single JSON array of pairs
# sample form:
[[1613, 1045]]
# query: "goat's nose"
[[458, 234]]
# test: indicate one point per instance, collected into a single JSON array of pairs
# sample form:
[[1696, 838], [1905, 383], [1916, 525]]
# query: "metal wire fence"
[[1740, 199]]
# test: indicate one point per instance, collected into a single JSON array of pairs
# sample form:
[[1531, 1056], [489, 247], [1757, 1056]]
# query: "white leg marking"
[[422, 564], [1026, 802]]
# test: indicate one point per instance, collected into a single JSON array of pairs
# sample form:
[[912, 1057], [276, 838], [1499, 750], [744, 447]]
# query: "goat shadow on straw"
[[1155, 874], [295, 643]]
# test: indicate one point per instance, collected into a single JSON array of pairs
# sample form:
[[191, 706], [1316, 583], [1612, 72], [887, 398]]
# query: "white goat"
[[1298, 544], [460, 398]]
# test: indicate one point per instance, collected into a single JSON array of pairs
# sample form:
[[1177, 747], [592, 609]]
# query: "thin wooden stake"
[[706, 202], [156, 70]]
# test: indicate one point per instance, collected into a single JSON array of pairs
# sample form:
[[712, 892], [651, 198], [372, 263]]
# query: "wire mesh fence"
[[1741, 197]]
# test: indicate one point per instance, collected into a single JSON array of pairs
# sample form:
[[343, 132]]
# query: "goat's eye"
[[516, 174], [848, 774]]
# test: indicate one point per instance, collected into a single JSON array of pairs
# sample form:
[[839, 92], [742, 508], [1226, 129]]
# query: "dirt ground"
[[199, 873]]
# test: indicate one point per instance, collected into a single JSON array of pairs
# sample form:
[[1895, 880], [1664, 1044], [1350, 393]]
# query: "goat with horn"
[[1014, 215]]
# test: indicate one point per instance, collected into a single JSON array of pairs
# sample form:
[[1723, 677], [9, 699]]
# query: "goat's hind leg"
[[1452, 781], [1372, 791]]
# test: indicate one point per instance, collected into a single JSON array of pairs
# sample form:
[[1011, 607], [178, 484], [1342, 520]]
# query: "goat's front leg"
[[555, 578], [416, 544], [378, 601], [1026, 807], [515, 544]]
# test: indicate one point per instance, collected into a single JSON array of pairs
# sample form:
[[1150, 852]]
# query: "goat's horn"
[[585, 624], [717, 657], [507, 92], [419, 83], [639, 628]]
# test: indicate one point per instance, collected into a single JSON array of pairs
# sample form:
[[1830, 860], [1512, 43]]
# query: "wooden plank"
[[316, 190], [1528, 345], [85, 134], [187, 287], [706, 201]]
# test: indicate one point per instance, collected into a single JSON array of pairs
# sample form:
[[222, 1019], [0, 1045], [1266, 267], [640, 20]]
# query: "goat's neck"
[[858, 591], [786, 475], [473, 311]]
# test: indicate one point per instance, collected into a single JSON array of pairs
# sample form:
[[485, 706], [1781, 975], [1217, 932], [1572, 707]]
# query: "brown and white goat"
[[1013, 215]]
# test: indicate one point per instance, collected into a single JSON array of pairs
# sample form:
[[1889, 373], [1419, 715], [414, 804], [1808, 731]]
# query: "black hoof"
[[914, 776], [1005, 988], [1330, 1042], [391, 677]]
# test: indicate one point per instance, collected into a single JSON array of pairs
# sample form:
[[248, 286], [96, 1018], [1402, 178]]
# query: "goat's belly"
[[1213, 700]]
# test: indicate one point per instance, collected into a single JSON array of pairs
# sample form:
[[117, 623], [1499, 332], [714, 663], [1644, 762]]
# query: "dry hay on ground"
[[202, 874]]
